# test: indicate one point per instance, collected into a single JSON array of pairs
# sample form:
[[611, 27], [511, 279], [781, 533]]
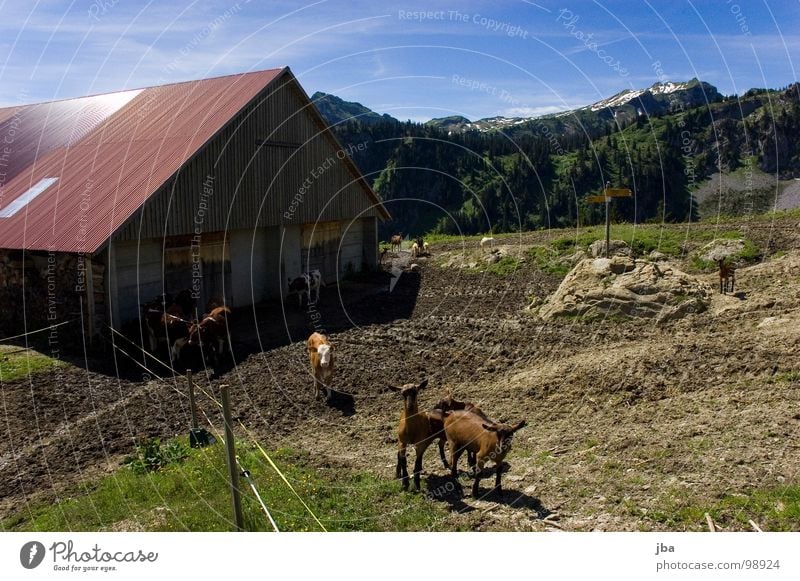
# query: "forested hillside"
[[453, 175]]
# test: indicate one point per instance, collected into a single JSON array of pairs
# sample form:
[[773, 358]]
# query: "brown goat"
[[396, 241], [727, 276], [467, 431], [415, 430], [449, 404]]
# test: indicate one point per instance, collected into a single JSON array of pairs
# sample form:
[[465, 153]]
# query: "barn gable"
[[275, 163]]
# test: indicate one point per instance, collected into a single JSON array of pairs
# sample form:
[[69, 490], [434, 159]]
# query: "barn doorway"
[[202, 266]]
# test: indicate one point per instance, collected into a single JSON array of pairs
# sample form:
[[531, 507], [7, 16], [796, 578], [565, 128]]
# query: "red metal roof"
[[109, 152]]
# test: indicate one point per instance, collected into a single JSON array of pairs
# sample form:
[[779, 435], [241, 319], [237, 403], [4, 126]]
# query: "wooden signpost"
[[608, 195]]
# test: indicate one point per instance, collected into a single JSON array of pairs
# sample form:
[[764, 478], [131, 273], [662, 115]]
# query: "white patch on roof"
[[23, 200]]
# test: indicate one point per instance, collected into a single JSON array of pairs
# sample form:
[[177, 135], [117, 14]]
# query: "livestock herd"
[[173, 321], [462, 425]]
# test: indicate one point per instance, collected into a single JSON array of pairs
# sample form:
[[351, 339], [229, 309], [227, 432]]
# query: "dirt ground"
[[623, 417]]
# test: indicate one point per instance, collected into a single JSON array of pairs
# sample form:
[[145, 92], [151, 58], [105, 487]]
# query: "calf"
[[306, 284], [467, 431], [210, 333], [320, 354], [414, 430], [163, 325]]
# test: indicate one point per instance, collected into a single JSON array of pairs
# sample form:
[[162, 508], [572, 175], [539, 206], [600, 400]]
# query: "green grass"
[[504, 267], [433, 238], [643, 238], [194, 495], [546, 260], [786, 376], [774, 509], [16, 363]]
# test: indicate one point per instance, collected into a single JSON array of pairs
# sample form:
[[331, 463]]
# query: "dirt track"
[[623, 417]]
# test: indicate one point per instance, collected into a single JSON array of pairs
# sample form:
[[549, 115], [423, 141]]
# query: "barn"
[[226, 186]]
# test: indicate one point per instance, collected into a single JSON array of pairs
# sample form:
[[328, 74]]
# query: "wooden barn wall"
[[134, 277], [235, 184]]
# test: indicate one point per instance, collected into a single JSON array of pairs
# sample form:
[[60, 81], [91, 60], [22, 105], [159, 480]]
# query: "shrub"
[[151, 455]]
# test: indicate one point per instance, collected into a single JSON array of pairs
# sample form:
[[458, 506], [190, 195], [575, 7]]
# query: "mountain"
[[455, 175], [626, 105], [336, 110]]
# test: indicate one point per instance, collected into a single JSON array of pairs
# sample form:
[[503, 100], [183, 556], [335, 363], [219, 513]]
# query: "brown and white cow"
[[320, 355], [210, 334], [168, 326]]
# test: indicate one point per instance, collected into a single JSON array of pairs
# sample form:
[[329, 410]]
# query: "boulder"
[[721, 249], [620, 286], [598, 248]]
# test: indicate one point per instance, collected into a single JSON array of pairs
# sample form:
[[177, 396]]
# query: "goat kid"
[[414, 430], [449, 404], [320, 355], [486, 241], [396, 242], [727, 276], [467, 431]]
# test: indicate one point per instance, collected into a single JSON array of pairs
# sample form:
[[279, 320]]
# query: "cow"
[[397, 242], [210, 335], [320, 355], [163, 325], [306, 284]]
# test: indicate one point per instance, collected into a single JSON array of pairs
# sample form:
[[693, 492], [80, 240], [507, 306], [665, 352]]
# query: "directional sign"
[[618, 192], [597, 199]]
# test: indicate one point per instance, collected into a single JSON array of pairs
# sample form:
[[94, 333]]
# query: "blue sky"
[[413, 60]]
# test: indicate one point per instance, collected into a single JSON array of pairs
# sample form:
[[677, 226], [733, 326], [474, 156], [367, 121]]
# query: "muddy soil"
[[622, 416]]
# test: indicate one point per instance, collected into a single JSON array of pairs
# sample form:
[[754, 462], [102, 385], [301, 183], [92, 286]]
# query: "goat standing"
[[415, 430], [727, 276], [467, 431], [396, 242], [449, 404]]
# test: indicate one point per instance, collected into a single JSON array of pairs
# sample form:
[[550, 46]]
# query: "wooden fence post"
[[233, 471]]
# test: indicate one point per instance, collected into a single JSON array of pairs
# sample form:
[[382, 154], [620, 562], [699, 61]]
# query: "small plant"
[[151, 455]]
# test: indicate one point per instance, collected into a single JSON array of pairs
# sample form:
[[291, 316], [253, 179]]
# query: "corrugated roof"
[[109, 152]]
